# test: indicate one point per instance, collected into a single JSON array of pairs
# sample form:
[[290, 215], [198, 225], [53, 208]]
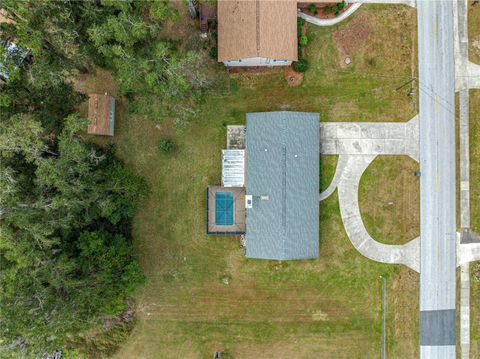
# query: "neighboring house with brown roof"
[[257, 32], [101, 113]]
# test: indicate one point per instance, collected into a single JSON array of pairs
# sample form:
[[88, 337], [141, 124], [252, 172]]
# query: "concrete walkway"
[[341, 165], [357, 144], [329, 22], [407, 254], [356, 4], [473, 73], [411, 3], [370, 138], [467, 75], [465, 310], [467, 252]]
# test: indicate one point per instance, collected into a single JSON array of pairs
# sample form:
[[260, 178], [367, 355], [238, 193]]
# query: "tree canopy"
[[66, 205], [122, 36], [66, 257]]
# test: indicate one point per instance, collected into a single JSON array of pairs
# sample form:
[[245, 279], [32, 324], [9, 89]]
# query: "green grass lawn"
[[475, 309], [475, 160], [474, 33], [389, 197], [328, 165], [366, 90], [475, 217], [330, 307]]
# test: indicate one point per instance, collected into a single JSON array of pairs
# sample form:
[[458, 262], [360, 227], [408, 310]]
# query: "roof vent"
[[248, 201]]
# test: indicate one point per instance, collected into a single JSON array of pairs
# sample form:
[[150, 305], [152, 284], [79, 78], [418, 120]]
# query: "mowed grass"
[[328, 165], [326, 308], [475, 218], [366, 90], [474, 32], [475, 160], [329, 306], [389, 197], [475, 309]]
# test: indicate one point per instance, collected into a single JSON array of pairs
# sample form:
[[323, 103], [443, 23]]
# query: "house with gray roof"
[[282, 181], [280, 196]]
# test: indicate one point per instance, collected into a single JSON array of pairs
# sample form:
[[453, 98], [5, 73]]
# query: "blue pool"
[[224, 208]]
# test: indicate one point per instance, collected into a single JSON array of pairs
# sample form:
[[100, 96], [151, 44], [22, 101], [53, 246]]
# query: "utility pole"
[[384, 317]]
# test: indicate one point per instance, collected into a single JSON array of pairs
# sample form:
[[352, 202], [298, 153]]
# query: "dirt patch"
[[476, 46], [4, 19], [474, 32], [98, 81], [353, 35], [293, 77]]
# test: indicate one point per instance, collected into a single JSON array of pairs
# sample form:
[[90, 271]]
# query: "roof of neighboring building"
[[101, 112], [257, 28], [282, 157]]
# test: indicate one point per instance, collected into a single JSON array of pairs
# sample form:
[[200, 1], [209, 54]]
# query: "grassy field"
[[475, 217], [328, 165], [475, 309], [475, 159], [389, 197], [327, 308], [474, 33]]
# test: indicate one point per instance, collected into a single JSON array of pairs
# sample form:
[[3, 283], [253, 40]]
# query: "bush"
[[327, 9], [301, 65], [300, 23], [303, 41], [341, 5], [166, 146], [214, 52], [313, 9]]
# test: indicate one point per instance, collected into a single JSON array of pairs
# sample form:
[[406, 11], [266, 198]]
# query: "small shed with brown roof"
[[101, 113], [257, 32]]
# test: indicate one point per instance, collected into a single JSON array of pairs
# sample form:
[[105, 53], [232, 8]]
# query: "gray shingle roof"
[[282, 150]]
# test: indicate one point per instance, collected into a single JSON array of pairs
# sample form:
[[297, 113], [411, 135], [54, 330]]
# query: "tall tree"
[[65, 252]]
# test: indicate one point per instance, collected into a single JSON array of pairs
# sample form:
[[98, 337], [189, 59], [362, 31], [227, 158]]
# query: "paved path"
[[467, 73], [407, 254], [473, 75], [359, 143], [467, 77], [370, 138], [465, 311], [437, 183], [467, 253], [329, 22], [411, 3], [356, 4], [341, 165], [464, 161]]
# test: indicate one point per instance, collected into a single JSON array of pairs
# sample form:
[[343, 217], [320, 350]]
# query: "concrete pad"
[[348, 130]]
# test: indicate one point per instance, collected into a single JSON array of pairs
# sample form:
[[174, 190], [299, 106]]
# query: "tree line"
[[66, 205]]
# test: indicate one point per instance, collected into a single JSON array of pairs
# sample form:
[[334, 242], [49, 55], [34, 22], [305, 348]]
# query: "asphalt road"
[[437, 181]]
